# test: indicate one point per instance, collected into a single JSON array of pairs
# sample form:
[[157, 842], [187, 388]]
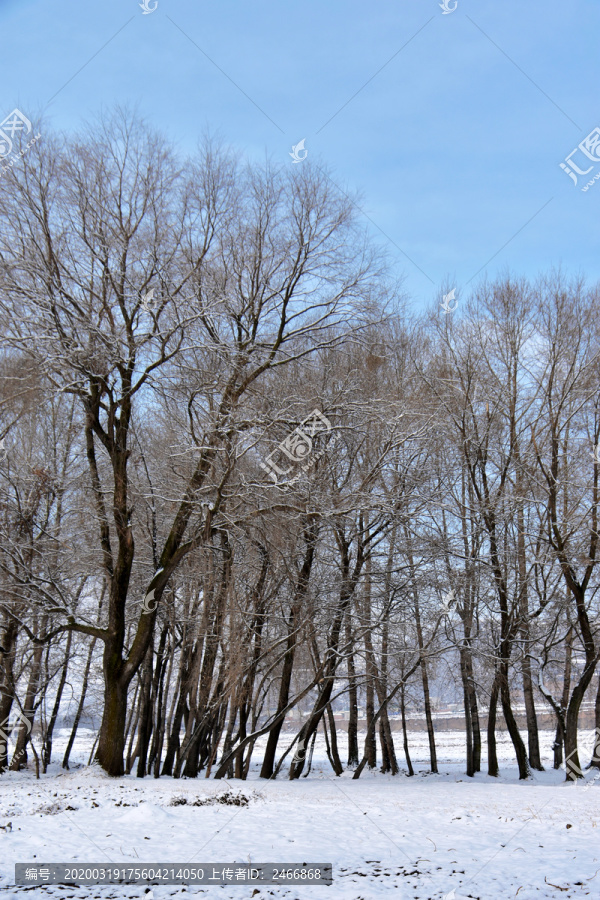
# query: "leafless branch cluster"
[[244, 492]]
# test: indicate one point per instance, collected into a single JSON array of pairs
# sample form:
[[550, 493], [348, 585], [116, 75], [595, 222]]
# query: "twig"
[[557, 886]]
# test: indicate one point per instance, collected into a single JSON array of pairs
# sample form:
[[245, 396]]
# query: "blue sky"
[[454, 138]]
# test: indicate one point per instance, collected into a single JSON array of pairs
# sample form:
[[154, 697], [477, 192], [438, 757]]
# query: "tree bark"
[[145, 720], [111, 741], [7, 687], [331, 743], [511, 724], [370, 739], [493, 769], [311, 532], [19, 760], [573, 765], [352, 697], [47, 748], [78, 714], [411, 771], [595, 763], [559, 738], [325, 688], [468, 721]]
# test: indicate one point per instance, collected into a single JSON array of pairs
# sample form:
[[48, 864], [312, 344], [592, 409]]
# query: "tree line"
[[240, 478]]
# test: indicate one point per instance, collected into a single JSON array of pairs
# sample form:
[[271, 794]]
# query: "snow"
[[422, 837]]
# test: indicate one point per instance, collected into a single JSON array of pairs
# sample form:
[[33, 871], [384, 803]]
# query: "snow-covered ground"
[[423, 837]]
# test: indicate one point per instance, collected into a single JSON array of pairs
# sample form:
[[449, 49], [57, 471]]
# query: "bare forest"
[[247, 495]]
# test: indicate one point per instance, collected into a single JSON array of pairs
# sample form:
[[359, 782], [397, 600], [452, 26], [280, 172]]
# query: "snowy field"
[[430, 836]]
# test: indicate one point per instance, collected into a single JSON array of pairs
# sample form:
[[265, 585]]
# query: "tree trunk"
[[428, 716], [533, 740], [78, 714], [334, 743], [468, 721], [471, 550], [19, 759], [131, 728], [513, 730], [422, 660], [474, 716], [352, 698], [532, 725], [7, 686], [311, 533], [573, 766], [595, 763], [255, 634], [111, 740], [282, 701], [194, 751], [47, 748], [332, 748], [173, 741], [559, 738], [163, 665], [388, 751], [493, 769], [145, 720], [310, 755], [325, 688], [160, 731], [411, 771], [370, 739], [473, 728]]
